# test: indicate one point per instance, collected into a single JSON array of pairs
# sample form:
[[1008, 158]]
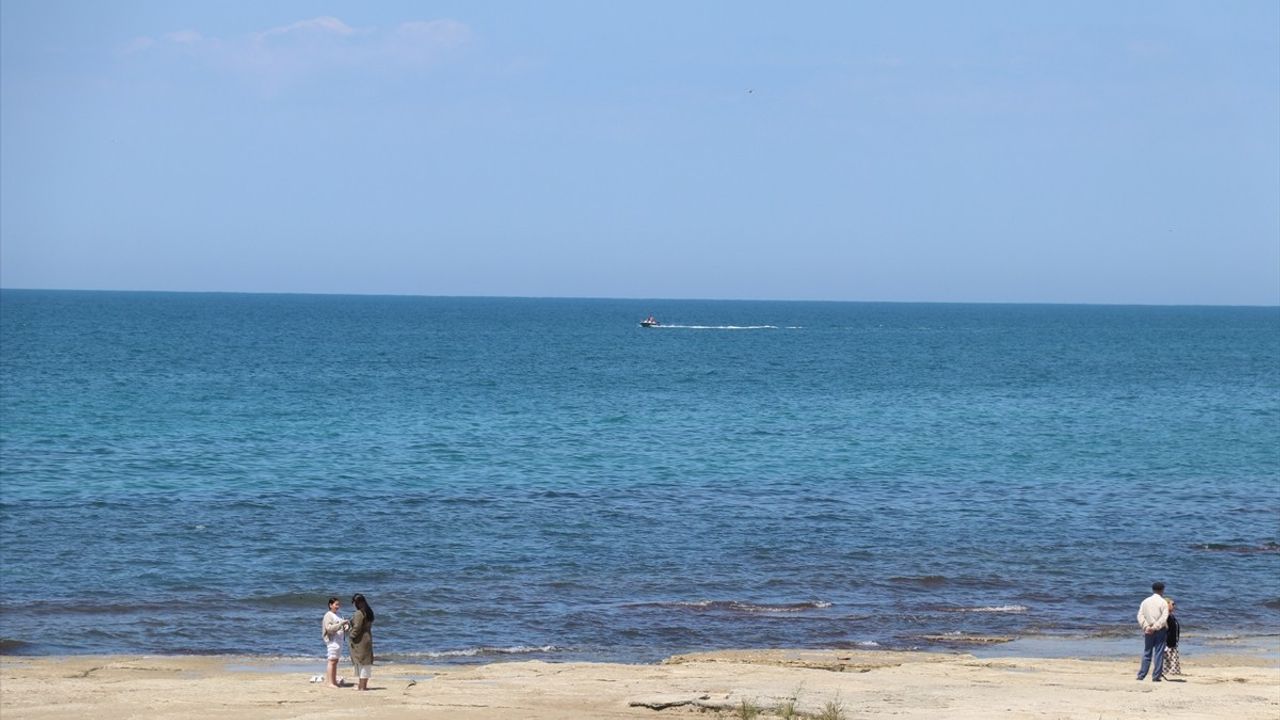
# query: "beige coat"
[[361, 639]]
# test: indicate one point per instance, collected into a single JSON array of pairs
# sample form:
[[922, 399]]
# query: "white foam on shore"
[[479, 651], [741, 606], [1015, 609]]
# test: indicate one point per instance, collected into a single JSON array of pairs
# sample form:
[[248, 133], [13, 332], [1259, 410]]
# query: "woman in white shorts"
[[333, 630]]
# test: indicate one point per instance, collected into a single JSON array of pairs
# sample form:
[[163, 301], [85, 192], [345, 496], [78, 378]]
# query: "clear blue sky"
[[1103, 152]]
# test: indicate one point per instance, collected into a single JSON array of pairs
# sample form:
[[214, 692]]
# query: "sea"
[[513, 478]]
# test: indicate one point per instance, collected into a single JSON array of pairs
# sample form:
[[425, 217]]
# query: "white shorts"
[[362, 671], [333, 649]]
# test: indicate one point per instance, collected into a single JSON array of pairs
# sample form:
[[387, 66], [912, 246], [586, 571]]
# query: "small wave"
[[1266, 547], [849, 644], [1014, 609], [466, 500], [246, 504], [1273, 604], [740, 606], [13, 646], [928, 581], [78, 607], [292, 600], [1113, 631], [991, 582], [481, 652], [556, 494]]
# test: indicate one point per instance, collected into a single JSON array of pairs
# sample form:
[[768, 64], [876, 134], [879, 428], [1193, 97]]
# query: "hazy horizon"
[[623, 299]]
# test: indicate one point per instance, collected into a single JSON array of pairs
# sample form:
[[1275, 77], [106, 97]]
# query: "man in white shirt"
[[1153, 617]]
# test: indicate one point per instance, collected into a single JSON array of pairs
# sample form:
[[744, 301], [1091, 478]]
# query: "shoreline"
[[1243, 682], [1104, 646]]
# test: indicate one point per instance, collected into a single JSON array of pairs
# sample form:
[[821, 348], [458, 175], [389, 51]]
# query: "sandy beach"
[[858, 684]]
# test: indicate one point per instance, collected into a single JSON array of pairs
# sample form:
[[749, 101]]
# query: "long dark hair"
[[363, 606]]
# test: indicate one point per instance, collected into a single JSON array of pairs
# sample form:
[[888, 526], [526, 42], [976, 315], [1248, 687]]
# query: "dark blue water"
[[198, 472]]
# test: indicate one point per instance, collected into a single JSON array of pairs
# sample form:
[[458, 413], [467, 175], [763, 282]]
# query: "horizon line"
[[640, 299]]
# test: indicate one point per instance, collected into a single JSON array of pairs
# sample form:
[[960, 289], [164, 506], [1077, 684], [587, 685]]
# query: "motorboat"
[[649, 322]]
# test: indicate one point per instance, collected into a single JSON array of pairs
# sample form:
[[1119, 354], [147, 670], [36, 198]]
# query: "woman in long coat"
[[360, 637], [1172, 658]]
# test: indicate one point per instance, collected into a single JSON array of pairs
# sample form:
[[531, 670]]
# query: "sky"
[[978, 151]]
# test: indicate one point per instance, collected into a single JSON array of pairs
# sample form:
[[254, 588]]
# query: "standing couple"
[[358, 631], [1160, 635]]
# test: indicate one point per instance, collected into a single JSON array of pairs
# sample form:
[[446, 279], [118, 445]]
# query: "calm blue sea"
[[197, 472]]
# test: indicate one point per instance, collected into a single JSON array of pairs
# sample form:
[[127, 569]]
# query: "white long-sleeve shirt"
[[331, 627], [1153, 614]]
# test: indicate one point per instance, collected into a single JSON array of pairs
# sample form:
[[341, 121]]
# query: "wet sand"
[[861, 684]]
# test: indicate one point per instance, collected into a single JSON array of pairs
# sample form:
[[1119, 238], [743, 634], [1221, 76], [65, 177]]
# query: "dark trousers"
[[1153, 644]]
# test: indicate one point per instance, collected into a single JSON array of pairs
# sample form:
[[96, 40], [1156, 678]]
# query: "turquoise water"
[[198, 472]]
